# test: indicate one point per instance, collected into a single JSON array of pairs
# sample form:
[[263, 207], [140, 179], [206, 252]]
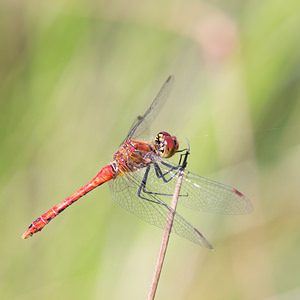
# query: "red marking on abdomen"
[[106, 174]]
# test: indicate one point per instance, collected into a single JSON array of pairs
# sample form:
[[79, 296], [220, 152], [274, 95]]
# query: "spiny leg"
[[177, 168], [143, 188], [144, 181], [162, 175]]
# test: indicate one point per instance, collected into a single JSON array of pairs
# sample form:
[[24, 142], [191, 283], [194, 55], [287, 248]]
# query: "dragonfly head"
[[165, 144]]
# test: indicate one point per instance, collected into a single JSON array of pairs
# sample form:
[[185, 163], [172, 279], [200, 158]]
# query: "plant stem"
[[167, 231]]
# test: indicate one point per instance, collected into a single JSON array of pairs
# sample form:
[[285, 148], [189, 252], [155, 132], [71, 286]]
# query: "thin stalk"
[[167, 231]]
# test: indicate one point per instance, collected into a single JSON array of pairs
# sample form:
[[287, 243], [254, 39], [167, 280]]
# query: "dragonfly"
[[142, 180]]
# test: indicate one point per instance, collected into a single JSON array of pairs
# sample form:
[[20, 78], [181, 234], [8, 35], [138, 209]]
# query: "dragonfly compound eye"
[[166, 144]]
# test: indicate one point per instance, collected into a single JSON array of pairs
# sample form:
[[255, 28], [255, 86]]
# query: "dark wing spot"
[[238, 193]]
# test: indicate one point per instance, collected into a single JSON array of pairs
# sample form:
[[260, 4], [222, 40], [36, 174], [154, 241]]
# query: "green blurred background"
[[74, 75]]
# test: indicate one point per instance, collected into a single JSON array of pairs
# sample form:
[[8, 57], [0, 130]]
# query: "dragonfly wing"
[[210, 196], [203, 194], [124, 190], [143, 122]]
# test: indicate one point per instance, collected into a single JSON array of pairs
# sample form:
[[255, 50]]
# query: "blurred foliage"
[[73, 77]]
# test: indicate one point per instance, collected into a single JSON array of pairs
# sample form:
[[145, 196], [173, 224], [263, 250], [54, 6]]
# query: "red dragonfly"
[[142, 180]]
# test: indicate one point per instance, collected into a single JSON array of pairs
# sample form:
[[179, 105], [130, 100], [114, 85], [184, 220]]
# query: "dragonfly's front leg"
[[177, 168]]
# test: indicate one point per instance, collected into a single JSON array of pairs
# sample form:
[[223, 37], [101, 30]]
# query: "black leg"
[[143, 188], [162, 176]]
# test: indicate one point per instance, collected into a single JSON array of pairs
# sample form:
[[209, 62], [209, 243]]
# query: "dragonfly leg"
[[177, 168], [143, 189], [162, 175]]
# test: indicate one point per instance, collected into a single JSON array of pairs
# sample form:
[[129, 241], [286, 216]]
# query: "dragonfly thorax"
[[165, 144]]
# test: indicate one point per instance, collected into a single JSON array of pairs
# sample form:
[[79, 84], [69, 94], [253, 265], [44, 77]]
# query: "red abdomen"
[[106, 174]]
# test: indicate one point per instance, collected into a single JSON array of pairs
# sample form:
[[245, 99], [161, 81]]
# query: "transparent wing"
[[199, 193], [152, 209], [143, 122]]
